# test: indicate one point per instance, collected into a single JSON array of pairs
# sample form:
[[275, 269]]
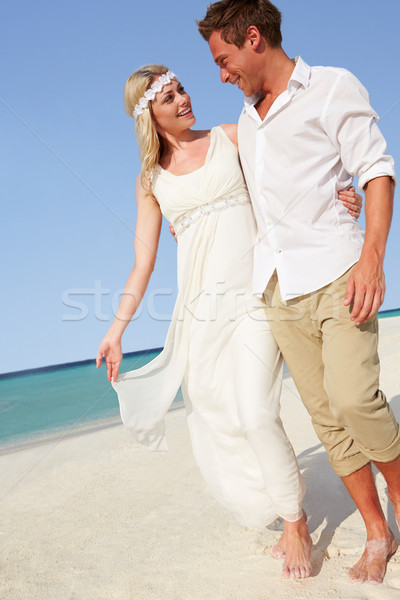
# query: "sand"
[[97, 517]]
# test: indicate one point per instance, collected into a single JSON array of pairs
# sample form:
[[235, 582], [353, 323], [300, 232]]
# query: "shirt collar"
[[300, 77], [301, 73]]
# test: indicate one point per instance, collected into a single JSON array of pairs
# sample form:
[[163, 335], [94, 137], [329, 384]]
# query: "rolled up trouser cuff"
[[347, 466], [350, 465], [388, 454]]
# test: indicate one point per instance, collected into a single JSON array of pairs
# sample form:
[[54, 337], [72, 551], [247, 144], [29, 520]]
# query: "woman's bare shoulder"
[[145, 197], [231, 131]]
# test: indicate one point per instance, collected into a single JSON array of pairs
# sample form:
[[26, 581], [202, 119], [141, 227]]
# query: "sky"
[[69, 159]]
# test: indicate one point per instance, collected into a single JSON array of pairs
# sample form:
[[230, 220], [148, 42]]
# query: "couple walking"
[[270, 263]]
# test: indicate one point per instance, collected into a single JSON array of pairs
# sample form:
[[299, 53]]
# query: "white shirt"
[[317, 135]]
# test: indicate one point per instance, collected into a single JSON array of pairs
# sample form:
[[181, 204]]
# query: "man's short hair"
[[232, 18]]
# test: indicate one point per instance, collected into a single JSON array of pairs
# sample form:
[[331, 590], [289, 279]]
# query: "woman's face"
[[172, 109]]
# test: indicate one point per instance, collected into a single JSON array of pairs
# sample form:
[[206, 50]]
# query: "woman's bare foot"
[[372, 565], [279, 550], [295, 548]]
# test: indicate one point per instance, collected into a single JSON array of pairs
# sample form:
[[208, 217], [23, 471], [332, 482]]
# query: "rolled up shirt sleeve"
[[351, 125]]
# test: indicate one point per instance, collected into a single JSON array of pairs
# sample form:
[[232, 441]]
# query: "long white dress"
[[219, 348]]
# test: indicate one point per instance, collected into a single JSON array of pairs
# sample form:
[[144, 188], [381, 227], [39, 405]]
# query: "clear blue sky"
[[69, 158]]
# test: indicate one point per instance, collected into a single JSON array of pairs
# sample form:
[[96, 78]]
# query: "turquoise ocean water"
[[67, 399]]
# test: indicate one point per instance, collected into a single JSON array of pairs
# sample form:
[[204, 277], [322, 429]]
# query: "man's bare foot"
[[295, 546], [372, 565]]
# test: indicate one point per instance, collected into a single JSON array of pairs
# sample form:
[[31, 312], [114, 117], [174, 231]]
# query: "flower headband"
[[150, 94]]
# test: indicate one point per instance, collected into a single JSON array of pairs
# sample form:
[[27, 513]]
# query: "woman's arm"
[[147, 235]]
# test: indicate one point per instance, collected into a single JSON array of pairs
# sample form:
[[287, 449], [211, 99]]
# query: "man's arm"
[[366, 284], [351, 124]]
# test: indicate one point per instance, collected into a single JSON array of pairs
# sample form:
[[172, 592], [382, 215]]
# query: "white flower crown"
[[150, 94]]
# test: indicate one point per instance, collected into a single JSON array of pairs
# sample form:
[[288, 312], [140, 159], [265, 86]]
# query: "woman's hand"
[[352, 201], [172, 231], [112, 351]]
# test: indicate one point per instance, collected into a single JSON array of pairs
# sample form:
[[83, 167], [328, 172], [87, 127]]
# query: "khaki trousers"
[[335, 366]]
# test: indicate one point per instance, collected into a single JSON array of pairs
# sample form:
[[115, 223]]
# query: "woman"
[[219, 347]]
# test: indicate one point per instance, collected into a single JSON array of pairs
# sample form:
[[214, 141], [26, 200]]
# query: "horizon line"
[[67, 365], [8, 375]]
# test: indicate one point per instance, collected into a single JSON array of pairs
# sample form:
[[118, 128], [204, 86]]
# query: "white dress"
[[219, 348]]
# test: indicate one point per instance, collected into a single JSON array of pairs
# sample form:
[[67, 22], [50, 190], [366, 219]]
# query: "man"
[[303, 134]]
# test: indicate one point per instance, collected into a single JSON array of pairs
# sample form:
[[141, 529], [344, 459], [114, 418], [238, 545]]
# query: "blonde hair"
[[150, 143]]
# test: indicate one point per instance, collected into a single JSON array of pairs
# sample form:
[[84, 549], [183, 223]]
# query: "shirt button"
[[269, 222], [277, 251]]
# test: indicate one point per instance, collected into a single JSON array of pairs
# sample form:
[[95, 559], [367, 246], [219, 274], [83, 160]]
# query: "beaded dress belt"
[[205, 209]]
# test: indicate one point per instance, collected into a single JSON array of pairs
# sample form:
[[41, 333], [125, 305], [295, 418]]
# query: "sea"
[[46, 404], [49, 403]]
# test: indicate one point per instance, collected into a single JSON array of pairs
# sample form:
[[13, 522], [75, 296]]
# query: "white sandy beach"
[[97, 517]]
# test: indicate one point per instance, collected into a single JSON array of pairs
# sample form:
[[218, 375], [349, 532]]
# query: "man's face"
[[237, 65]]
